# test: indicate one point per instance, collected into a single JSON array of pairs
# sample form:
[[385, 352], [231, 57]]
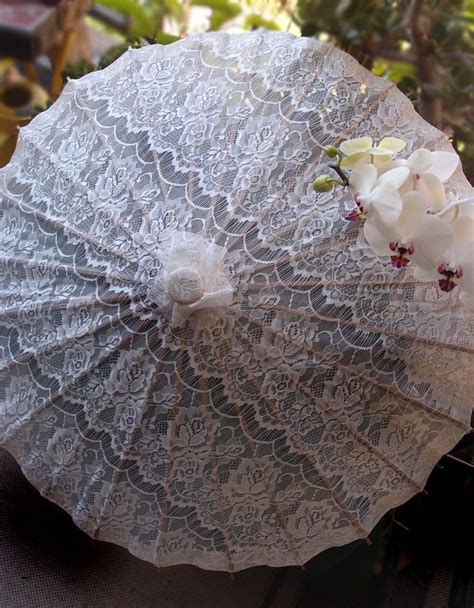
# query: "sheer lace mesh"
[[259, 432]]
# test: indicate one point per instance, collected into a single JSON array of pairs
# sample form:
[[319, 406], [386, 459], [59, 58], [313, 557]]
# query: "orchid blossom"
[[454, 266], [405, 208], [416, 236], [428, 171], [376, 195], [361, 151]]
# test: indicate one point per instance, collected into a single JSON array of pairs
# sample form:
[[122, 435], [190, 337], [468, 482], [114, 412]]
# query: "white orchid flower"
[[458, 208], [377, 197], [455, 265], [406, 213], [361, 151], [428, 171], [416, 236]]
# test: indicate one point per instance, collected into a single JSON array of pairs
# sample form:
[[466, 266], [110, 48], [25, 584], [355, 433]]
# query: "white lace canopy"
[[313, 388]]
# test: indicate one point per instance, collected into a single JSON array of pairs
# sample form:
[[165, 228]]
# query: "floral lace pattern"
[[286, 423]]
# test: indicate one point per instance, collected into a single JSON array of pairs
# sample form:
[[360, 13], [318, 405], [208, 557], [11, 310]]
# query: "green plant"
[[116, 51], [77, 69], [222, 11], [148, 16], [83, 67]]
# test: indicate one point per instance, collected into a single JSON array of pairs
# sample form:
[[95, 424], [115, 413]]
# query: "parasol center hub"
[[194, 276], [185, 285]]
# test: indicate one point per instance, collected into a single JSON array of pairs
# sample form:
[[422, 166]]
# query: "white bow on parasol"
[[200, 358]]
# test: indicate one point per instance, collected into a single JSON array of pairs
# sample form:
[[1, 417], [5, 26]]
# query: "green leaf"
[[222, 11], [222, 6], [256, 21], [78, 69], [217, 20], [131, 8], [393, 70], [173, 8], [117, 51], [164, 38]]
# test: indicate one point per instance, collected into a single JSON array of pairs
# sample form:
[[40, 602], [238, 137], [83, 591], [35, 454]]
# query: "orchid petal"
[[420, 160], [393, 143], [378, 237], [431, 237], [466, 282], [381, 160], [378, 151], [462, 253], [399, 162], [466, 210], [443, 164], [348, 162], [464, 232], [356, 146], [362, 179], [385, 202], [432, 190], [396, 177], [414, 210]]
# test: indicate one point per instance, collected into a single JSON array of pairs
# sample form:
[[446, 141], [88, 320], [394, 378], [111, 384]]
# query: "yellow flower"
[[361, 151]]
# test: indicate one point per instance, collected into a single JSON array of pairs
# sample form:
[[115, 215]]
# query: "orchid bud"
[[331, 151], [323, 183]]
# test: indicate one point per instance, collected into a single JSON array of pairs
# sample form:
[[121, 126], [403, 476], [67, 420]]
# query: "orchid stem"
[[456, 205], [340, 172]]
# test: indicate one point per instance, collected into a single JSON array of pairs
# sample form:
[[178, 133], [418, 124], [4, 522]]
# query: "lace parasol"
[[200, 358]]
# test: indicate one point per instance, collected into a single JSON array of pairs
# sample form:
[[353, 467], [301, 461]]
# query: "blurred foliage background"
[[425, 46]]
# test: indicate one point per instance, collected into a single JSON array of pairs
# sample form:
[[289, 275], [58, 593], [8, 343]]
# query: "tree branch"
[[430, 105], [400, 31]]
